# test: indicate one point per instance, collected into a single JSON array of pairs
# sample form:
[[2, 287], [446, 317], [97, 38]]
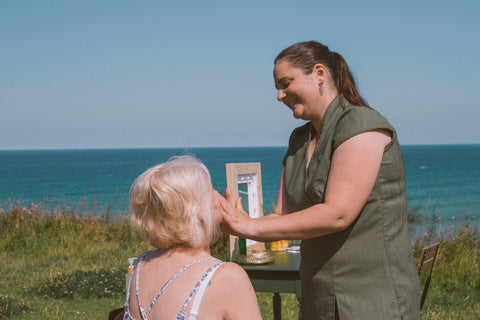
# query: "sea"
[[443, 181]]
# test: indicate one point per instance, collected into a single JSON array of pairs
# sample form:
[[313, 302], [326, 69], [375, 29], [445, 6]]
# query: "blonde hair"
[[170, 204]]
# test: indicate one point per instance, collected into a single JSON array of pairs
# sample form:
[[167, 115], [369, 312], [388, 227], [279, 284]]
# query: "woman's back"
[[170, 282]]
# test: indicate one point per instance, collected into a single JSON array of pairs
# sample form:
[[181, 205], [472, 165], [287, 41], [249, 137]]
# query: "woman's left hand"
[[236, 221]]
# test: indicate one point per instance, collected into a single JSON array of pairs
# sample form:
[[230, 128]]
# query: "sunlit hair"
[[170, 204]]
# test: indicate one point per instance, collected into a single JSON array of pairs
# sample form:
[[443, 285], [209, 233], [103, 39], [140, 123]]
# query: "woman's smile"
[[296, 107]]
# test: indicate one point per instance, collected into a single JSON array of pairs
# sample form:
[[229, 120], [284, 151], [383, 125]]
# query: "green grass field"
[[71, 265]]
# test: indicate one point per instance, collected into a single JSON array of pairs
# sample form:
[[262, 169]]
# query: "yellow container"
[[279, 245]]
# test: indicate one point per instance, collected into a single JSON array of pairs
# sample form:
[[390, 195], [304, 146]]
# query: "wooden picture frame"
[[248, 175]]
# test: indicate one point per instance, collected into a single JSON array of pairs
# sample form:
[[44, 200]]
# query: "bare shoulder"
[[231, 271], [232, 274], [239, 301]]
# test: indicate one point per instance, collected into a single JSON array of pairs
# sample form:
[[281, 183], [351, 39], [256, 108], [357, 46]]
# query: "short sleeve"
[[356, 120]]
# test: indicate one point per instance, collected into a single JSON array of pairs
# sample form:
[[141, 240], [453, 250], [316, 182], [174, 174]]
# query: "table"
[[281, 276]]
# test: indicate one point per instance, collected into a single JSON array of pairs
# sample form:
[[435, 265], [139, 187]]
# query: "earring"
[[321, 89]]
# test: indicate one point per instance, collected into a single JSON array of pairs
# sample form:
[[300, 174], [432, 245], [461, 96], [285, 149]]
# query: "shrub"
[[99, 283], [221, 249], [10, 306]]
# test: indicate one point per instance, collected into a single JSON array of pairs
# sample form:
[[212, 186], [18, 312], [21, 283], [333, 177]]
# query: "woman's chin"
[[297, 114]]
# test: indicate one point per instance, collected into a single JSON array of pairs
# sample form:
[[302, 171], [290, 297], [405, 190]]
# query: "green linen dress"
[[366, 271]]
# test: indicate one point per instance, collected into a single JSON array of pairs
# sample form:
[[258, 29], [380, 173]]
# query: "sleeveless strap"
[[205, 275], [144, 313], [131, 277], [201, 291]]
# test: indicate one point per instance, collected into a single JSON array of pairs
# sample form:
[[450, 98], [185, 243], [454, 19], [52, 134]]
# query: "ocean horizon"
[[443, 180], [216, 147]]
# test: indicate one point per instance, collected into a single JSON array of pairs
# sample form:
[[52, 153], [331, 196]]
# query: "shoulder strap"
[[134, 273], [207, 274], [201, 291], [145, 313]]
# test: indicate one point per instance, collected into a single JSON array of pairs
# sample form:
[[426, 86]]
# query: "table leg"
[[299, 308], [277, 306]]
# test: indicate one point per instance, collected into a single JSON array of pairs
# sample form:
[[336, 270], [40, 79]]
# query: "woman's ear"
[[320, 73]]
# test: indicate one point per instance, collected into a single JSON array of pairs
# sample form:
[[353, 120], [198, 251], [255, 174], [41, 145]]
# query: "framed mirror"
[[245, 181]]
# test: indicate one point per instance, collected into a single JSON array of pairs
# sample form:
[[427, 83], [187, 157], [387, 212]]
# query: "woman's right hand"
[[236, 220]]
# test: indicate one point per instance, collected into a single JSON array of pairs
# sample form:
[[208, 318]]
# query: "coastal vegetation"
[[70, 264]]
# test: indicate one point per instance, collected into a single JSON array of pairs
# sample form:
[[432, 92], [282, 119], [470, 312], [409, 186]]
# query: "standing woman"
[[342, 191]]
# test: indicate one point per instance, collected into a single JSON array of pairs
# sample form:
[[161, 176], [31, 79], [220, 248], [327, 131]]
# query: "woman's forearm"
[[312, 222]]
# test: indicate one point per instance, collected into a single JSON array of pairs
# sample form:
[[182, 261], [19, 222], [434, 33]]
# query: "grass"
[[70, 264]]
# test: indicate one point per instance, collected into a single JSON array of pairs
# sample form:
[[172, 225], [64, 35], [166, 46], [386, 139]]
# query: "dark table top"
[[286, 263], [281, 276]]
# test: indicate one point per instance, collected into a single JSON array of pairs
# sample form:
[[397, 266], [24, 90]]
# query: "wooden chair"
[[116, 314], [428, 256]]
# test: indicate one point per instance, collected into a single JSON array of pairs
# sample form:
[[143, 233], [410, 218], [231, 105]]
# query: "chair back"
[[116, 314], [428, 256]]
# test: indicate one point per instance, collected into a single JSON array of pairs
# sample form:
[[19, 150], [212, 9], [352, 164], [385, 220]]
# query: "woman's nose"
[[280, 95]]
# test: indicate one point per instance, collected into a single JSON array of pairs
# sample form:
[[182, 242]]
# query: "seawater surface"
[[442, 180]]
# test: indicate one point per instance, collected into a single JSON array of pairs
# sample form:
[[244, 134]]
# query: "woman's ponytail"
[[345, 83]]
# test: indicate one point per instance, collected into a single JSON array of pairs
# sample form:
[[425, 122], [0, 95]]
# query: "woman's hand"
[[236, 221]]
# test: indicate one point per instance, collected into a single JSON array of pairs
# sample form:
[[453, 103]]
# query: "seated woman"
[[173, 205]]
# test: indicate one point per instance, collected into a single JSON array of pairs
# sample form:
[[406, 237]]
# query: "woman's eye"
[[285, 85]]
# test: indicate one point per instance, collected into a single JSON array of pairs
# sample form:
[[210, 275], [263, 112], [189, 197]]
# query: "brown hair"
[[304, 55]]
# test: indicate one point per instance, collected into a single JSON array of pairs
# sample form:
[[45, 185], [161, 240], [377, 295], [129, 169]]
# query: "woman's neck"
[[181, 252], [327, 98]]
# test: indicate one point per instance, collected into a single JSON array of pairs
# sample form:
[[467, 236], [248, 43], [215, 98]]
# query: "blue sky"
[[134, 74]]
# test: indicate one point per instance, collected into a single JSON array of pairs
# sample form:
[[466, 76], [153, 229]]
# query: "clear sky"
[[134, 74]]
